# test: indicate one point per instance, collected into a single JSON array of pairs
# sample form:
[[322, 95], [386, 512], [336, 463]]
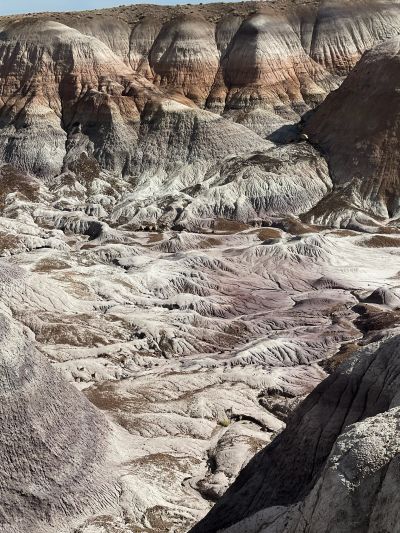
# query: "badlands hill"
[[335, 467], [54, 443], [361, 138], [199, 243]]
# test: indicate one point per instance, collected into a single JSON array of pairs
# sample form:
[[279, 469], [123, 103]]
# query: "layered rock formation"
[[54, 442], [166, 233], [63, 81], [342, 32], [335, 466], [262, 66], [97, 104], [361, 137], [184, 57]]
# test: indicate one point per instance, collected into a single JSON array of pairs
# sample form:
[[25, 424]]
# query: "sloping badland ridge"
[[199, 276]]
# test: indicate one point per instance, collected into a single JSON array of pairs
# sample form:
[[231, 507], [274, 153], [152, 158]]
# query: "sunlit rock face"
[[62, 80], [84, 111], [266, 64], [261, 65], [199, 268], [344, 31], [141, 41], [185, 57], [114, 33]]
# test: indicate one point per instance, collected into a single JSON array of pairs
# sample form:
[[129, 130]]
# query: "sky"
[[13, 7]]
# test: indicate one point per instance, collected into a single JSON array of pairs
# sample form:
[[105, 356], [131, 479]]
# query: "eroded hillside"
[[198, 225]]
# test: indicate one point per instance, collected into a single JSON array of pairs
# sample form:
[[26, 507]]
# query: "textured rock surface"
[[263, 65], [266, 64], [185, 57], [176, 247], [338, 456], [343, 31], [54, 443], [83, 112], [42, 96], [174, 334], [362, 138]]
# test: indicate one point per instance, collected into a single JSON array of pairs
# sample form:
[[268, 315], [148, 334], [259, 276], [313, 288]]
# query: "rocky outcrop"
[[357, 126], [62, 82], [159, 202], [141, 41], [97, 94], [202, 166], [342, 32], [107, 118], [113, 32], [185, 58], [340, 447], [263, 66], [319, 44], [360, 480]]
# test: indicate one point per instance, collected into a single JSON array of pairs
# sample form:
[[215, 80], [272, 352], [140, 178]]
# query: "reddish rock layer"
[[241, 55]]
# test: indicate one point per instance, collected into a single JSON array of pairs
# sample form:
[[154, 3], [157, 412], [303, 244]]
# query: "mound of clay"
[[357, 126], [193, 202], [53, 443], [383, 296]]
